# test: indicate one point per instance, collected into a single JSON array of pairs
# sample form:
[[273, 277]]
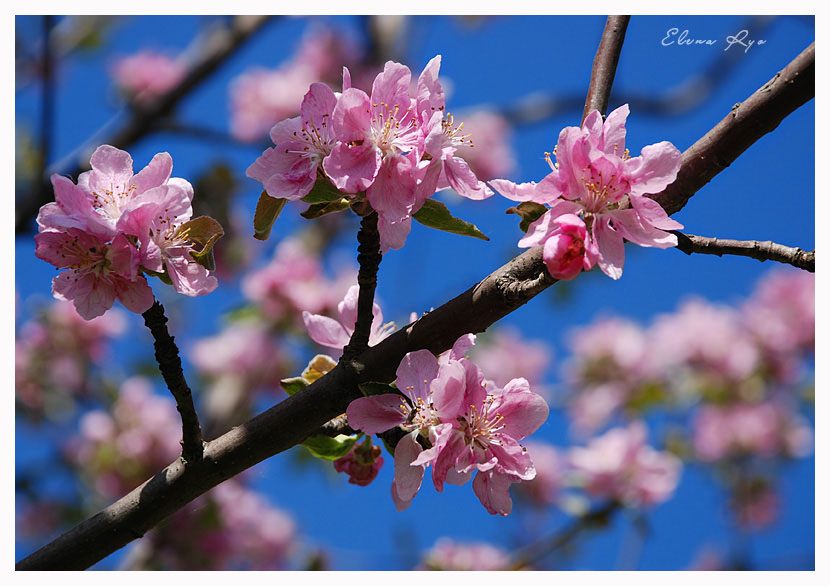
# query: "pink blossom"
[[621, 466], [104, 193], [147, 74], [57, 352], [767, 429], [430, 401], [781, 316], [611, 358], [289, 169], [567, 248], [506, 355], [293, 282], [709, 338], [361, 464], [261, 97], [551, 466], [155, 217], [234, 528], [450, 555], [99, 272], [119, 451], [442, 138], [337, 333], [596, 179], [491, 425]]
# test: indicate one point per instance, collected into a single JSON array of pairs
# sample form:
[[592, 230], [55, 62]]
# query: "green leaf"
[[316, 210], [294, 385], [267, 211], [436, 215], [330, 448], [323, 192], [529, 212], [372, 388], [202, 232]]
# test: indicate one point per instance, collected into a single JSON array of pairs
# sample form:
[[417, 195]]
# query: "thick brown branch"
[[605, 65], [759, 250], [761, 113], [216, 49], [167, 356]]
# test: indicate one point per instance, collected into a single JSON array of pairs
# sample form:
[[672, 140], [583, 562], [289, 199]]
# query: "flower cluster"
[[54, 355], [114, 225], [470, 425], [230, 528], [596, 198], [147, 75], [702, 352], [119, 451], [243, 359], [619, 465], [395, 148], [293, 282], [449, 555]]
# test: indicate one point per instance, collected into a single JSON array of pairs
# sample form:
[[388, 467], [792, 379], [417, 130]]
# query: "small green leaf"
[[436, 215], [316, 210], [372, 388], [267, 211], [202, 232], [294, 385], [529, 211], [330, 448], [323, 192]]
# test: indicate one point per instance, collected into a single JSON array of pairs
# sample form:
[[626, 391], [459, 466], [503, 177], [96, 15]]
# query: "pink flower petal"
[[610, 247], [414, 374], [493, 490], [654, 169], [377, 413], [408, 478], [156, 173], [325, 331]]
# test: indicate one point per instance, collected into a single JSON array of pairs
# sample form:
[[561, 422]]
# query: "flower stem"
[[368, 258], [167, 356]]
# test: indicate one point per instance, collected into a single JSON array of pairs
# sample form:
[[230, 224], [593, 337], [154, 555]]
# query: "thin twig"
[[759, 250], [167, 356], [547, 545], [605, 65]]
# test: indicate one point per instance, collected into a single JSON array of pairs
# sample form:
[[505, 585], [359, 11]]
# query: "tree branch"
[[759, 250], [761, 113], [536, 551], [605, 65], [220, 45], [167, 356], [294, 419]]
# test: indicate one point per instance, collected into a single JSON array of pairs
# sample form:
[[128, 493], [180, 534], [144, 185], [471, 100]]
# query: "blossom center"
[[390, 125], [482, 427]]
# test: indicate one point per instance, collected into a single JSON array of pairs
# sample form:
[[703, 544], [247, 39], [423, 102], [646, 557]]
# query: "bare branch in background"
[[761, 113], [759, 250], [605, 65], [212, 51]]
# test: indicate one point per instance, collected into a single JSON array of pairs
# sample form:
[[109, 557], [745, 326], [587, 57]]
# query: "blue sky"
[[767, 194]]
